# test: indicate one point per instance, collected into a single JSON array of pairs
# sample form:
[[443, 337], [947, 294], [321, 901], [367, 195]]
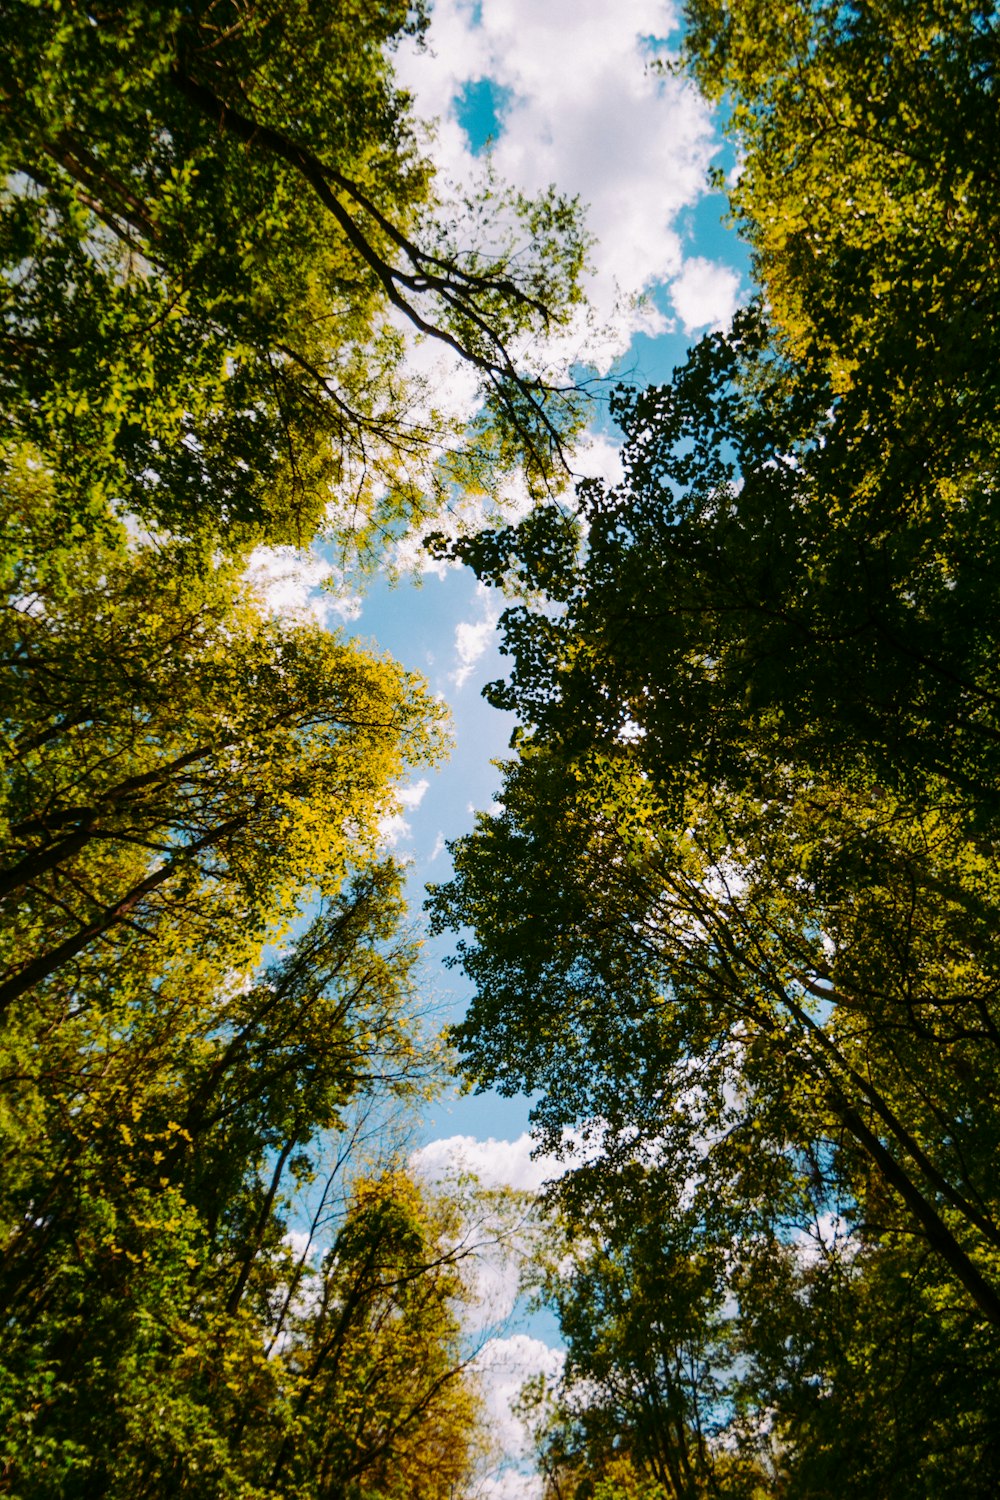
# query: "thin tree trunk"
[[939, 1236], [48, 963]]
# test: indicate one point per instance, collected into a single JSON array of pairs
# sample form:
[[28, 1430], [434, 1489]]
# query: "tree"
[[776, 642], [848, 1335], [645, 1406], [751, 1051], [620, 960], [218, 221], [174, 1322], [832, 1358], [184, 779], [868, 197], [780, 620], [736, 918], [178, 761], [216, 225], [383, 1404]]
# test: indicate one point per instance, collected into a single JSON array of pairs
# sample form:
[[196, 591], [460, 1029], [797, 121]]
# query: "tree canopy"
[[220, 221], [212, 1284], [735, 918], [179, 759], [219, 229]]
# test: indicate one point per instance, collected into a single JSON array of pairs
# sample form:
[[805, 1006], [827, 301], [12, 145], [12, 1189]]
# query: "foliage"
[[204, 1270], [382, 1356], [647, 1405], [868, 197], [178, 762], [174, 1324], [129, 1375], [832, 1362], [222, 243], [219, 220], [735, 918]]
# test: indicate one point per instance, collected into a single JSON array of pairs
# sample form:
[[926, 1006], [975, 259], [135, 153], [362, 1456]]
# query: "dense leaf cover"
[[217, 1278], [734, 923], [214, 1281], [220, 221], [736, 917]]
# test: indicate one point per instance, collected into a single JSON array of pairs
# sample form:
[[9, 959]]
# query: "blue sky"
[[555, 91]]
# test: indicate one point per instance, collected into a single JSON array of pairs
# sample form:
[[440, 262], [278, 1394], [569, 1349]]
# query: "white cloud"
[[828, 1237], [511, 1484], [497, 1163], [412, 796], [474, 637], [503, 1365], [634, 146], [298, 1242], [500, 1240], [394, 827], [296, 583], [598, 457], [465, 513], [705, 294], [585, 112], [494, 1280], [409, 554]]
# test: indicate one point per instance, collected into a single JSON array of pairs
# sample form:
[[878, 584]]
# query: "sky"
[[550, 91]]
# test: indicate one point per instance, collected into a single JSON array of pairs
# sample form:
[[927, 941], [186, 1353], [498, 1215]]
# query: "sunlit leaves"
[[218, 225]]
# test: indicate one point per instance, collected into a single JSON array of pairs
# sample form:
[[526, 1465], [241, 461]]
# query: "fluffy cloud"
[[394, 826], [495, 1267], [584, 110], [411, 796], [474, 637], [581, 107], [511, 1484], [598, 457], [467, 512], [705, 294], [502, 1366], [299, 584], [828, 1237], [496, 1163]]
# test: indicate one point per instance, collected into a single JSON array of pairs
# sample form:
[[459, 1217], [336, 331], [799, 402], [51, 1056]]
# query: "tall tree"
[[646, 1403], [218, 232], [178, 759], [183, 778], [192, 1303], [868, 196], [739, 901]]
